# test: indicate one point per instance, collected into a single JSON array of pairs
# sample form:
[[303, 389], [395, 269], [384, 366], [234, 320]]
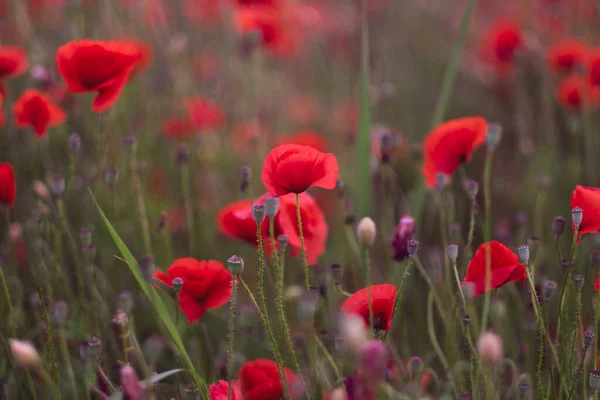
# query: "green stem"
[[302, 249], [540, 383], [487, 233], [399, 293], [468, 249], [574, 334], [432, 290], [49, 333], [189, 209], [565, 281], [11, 311], [64, 349], [432, 334], [141, 206], [231, 337], [72, 247], [576, 377]]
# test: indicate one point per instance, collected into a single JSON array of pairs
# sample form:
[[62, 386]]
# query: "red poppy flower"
[[305, 138], [34, 109], [219, 391], [593, 67], [2, 113], [450, 144], [177, 127], [206, 65], [258, 2], [13, 62], [206, 285], [97, 66], [245, 137], [8, 187], [566, 54], [383, 297], [574, 92], [293, 168], [588, 199], [303, 109], [269, 24], [597, 284], [235, 220], [260, 380], [505, 267], [205, 114], [500, 43]]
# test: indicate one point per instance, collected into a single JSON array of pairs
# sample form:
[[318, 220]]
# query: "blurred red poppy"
[[206, 285], [219, 391], [8, 187], [235, 220], [303, 109], [260, 380], [177, 127], [567, 54], [383, 297], [305, 138], [268, 23], [205, 65], [500, 43], [593, 67], [450, 144], [293, 168], [204, 113], [2, 112], [588, 199], [13, 62], [245, 137], [35, 110], [574, 93], [505, 267], [258, 2], [97, 66]]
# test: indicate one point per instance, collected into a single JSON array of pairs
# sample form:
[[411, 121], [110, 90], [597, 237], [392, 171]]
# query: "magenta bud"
[[131, 384]]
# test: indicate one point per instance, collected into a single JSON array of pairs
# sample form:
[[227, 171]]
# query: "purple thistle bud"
[[579, 281], [402, 235], [523, 253], [588, 338], [177, 285], [595, 379]]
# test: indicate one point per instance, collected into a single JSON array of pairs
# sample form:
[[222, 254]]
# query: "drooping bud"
[[125, 301], [472, 188], [413, 247], [490, 349], [588, 338], [245, 178], [283, 241], [130, 383], [57, 185], [523, 253], [24, 353], [558, 226], [366, 232], [75, 143], [579, 281], [235, 264], [60, 311], [258, 213], [453, 252], [337, 272], [493, 136], [271, 206], [549, 290], [576, 216], [177, 285]]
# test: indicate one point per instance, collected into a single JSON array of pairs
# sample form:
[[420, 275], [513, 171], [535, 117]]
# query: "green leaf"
[[147, 382], [363, 188]]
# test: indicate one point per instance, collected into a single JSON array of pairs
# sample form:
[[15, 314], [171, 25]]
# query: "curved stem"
[[487, 237], [399, 293], [432, 334], [432, 290], [578, 373], [302, 248], [231, 337], [189, 209]]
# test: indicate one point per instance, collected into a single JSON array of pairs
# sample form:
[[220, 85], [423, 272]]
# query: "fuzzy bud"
[[558, 226], [453, 252], [147, 267], [258, 213], [490, 349], [271, 206], [493, 136], [549, 290], [74, 143], [595, 379], [413, 247], [24, 353], [337, 272], [131, 384], [235, 264], [523, 253], [245, 178], [472, 188], [576, 216], [579, 281], [177, 285], [588, 338], [57, 185], [366, 232], [283, 241]]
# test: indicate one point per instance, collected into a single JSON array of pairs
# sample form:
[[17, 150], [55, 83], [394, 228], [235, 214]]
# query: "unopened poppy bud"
[[441, 180], [85, 237], [453, 252], [125, 301], [245, 178], [523, 253], [524, 386], [588, 338], [24, 353], [93, 348], [412, 247], [181, 155], [579, 280], [576, 216], [415, 365], [558, 226], [283, 241], [235, 264], [57, 185], [472, 188], [130, 383], [162, 221], [75, 143], [595, 379], [177, 285], [111, 177], [493, 136], [490, 349], [340, 187], [147, 267], [60, 311], [271, 206], [337, 272], [549, 290], [258, 213], [366, 232]]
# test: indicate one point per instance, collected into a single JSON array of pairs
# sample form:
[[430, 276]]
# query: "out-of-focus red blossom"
[[98, 66], [245, 137], [270, 3], [204, 11], [2, 112], [157, 182], [574, 93], [305, 138], [403, 233], [292, 168], [565, 55], [345, 118], [303, 109], [588, 199], [155, 13], [398, 146], [235, 220], [268, 23], [593, 67], [144, 55], [177, 127], [8, 187], [383, 297], [205, 65], [499, 45], [204, 113], [176, 220], [260, 380], [450, 144], [505, 267], [13, 62], [33, 109], [219, 391], [206, 285]]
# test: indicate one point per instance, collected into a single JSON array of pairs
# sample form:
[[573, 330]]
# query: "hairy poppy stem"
[[399, 293], [50, 342], [574, 334], [11, 310], [302, 248], [64, 349], [189, 209], [578, 373], [231, 336], [141, 206], [574, 247], [487, 237], [595, 326], [432, 334]]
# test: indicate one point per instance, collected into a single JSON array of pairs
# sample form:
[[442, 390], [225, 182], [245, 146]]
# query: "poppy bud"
[[588, 338], [245, 178], [595, 379], [24, 354], [182, 156], [558, 226], [162, 221], [85, 237], [524, 385], [57, 185], [283, 240], [579, 280], [75, 143], [523, 253], [125, 301], [493, 136], [258, 213], [366, 232], [130, 383], [453, 252], [415, 365], [413, 247], [576, 216], [337, 271], [177, 285], [93, 348], [271, 206], [340, 188], [490, 348], [235, 264], [441, 181], [472, 188], [549, 290], [60, 311], [147, 268], [466, 319], [111, 177]]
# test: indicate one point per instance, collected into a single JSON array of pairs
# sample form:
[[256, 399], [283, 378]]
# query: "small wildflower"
[[373, 358], [147, 267], [130, 383], [93, 348], [415, 365], [366, 232], [307, 305], [353, 331], [41, 190], [576, 216], [120, 319]]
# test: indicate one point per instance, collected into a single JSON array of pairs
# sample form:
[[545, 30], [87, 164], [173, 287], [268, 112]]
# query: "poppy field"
[[299, 199]]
